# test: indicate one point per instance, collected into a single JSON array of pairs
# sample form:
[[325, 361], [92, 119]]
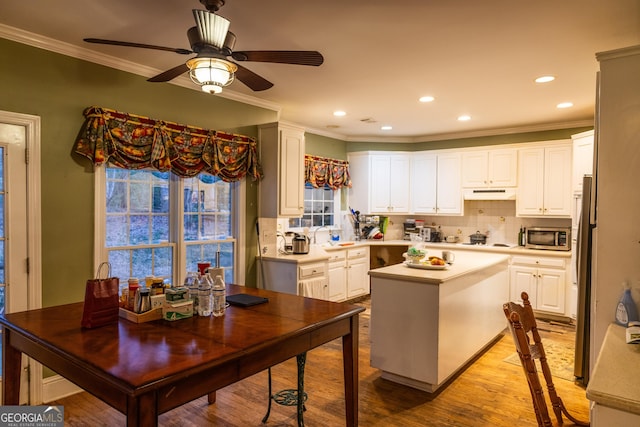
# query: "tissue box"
[[176, 310], [176, 294]]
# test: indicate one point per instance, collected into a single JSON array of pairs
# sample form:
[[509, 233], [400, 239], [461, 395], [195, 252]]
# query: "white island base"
[[426, 325]]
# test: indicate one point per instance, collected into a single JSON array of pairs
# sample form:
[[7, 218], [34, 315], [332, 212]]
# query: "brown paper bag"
[[101, 300]]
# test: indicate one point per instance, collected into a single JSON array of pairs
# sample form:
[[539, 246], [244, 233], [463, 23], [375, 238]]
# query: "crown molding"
[[36, 40], [618, 53], [455, 135], [478, 133]]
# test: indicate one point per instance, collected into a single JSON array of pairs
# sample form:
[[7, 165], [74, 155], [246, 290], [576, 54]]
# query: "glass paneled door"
[[16, 219]]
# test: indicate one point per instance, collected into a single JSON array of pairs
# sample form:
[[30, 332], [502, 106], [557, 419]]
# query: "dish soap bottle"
[[626, 311]]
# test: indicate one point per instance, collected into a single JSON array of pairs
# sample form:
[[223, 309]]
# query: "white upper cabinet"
[[424, 176], [380, 183], [389, 183], [282, 157], [545, 181], [496, 168], [435, 183], [582, 158]]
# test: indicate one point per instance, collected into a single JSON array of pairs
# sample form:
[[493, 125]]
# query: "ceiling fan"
[[212, 68]]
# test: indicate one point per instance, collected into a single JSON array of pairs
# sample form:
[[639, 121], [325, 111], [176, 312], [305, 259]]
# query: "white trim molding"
[[32, 127]]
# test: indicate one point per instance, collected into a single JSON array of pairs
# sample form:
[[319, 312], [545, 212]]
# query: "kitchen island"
[[428, 324]]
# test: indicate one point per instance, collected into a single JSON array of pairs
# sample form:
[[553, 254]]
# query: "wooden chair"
[[522, 324]]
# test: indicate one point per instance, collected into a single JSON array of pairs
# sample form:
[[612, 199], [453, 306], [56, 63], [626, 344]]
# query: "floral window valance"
[[321, 171], [135, 142]]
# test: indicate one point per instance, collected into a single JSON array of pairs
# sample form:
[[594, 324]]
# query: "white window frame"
[[101, 253], [337, 223]]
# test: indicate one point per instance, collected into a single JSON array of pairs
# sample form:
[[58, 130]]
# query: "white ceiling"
[[475, 57]]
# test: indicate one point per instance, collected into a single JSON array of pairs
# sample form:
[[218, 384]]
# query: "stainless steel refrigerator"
[[583, 265]]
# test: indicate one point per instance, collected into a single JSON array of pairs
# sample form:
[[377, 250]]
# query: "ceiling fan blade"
[[140, 45], [252, 80], [169, 74], [297, 57]]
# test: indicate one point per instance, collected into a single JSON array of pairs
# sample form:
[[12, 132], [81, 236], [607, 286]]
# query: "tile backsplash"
[[496, 218]]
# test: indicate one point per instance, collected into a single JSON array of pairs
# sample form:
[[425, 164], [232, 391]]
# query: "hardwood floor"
[[489, 392]]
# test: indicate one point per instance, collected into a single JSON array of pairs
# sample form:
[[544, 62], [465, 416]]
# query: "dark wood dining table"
[[146, 369]]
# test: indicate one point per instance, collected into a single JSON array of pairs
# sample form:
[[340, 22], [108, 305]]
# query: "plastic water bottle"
[[205, 300], [191, 283], [219, 296]]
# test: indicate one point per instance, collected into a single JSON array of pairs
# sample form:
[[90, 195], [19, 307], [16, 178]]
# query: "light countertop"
[[614, 381], [466, 262], [315, 254], [321, 252]]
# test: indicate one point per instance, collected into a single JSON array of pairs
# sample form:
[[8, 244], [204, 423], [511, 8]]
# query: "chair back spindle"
[[523, 327]]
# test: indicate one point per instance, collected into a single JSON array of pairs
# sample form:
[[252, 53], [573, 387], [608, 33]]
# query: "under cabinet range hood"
[[490, 194]]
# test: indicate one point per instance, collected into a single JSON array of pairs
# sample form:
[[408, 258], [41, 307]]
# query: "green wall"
[[323, 146], [58, 88]]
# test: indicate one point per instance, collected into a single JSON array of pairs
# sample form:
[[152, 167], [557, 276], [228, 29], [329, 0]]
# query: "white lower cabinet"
[[309, 279], [544, 279], [348, 273], [338, 275], [357, 272]]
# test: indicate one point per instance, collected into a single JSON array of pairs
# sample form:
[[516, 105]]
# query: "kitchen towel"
[[315, 288]]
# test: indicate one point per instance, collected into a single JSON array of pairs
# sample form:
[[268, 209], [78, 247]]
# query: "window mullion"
[[176, 230], [100, 253]]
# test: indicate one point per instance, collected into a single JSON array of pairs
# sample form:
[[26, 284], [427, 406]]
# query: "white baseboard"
[[57, 387]]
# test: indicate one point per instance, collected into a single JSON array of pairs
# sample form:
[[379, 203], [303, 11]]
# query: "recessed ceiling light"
[[426, 99], [386, 127], [545, 79], [339, 113], [565, 105], [464, 118]]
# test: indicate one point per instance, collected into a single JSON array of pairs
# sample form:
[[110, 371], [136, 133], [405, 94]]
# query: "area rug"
[[559, 357]]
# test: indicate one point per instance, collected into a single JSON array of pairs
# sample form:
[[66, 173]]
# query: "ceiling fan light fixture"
[[211, 74], [212, 28]]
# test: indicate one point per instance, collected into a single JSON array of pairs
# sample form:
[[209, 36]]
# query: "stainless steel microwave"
[[552, 238]]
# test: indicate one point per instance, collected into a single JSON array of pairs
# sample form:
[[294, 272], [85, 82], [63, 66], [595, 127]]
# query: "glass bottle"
[[134, 285], [219, 296], [205, 298]]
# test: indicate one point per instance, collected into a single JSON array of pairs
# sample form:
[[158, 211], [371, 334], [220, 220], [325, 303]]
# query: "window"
[[319, 208], [158, 224]]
